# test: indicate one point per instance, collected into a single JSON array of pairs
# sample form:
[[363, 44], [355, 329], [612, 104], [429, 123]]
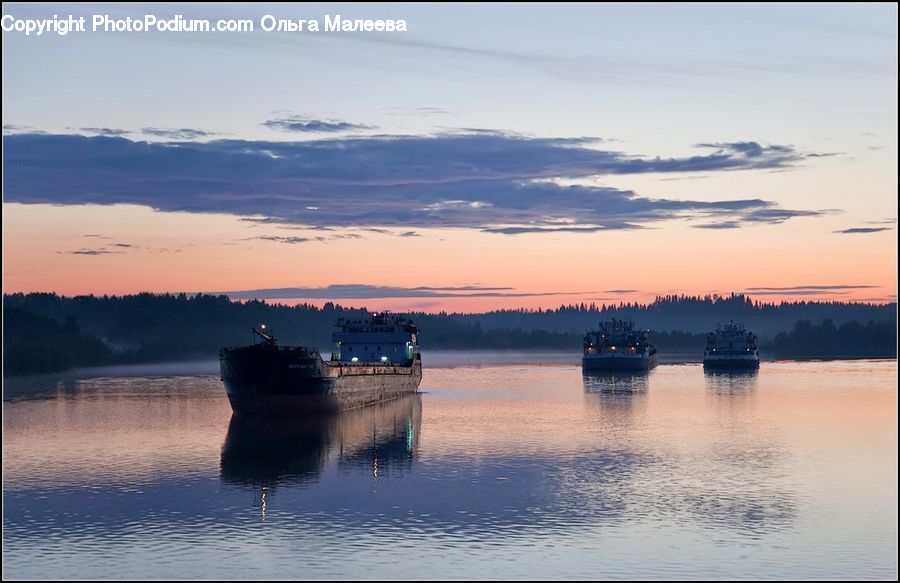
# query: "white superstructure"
[[731, 345]]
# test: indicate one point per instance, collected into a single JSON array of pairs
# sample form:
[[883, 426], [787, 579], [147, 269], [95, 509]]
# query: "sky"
[[490, 156]]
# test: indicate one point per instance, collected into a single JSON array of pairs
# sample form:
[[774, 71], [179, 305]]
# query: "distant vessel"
[[373, 360], [618, 346], [731, 346]]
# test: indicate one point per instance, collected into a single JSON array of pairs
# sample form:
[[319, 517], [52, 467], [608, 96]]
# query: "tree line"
[[47, 332]]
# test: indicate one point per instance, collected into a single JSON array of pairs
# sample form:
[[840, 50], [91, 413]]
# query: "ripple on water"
[[496, 471]]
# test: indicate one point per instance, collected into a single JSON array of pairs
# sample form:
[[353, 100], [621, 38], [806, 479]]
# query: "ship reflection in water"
[[266, 452], [731, 381], [616, 397], [616, 383]]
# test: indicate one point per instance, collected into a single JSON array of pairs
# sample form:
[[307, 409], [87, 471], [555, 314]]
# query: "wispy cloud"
[[488, 180], [288, 240], [303, 124], [105, 131], [101, 251], [585, 229], [106, 249], [12, 127], [721, 225], [637, 68], [863, 230], [798, 292], [389, 232], [779, 215], [417, 111], [358, 291], [177, 134], [298, 240], [807, 289]]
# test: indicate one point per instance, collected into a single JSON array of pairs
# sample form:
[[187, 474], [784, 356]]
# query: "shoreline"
[[444, 358]]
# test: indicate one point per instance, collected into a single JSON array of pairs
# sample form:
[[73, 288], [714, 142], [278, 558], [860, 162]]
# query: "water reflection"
[[731, 382], [608, 383], [740, 489], [521, 472], [38, 387], [267, 452], [615, 399]]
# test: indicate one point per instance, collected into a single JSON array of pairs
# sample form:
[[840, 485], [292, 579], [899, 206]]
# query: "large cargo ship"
[[731, 346], [618, 346], [373, 360]]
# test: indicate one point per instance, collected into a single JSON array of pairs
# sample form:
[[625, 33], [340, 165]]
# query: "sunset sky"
[[489, 157]]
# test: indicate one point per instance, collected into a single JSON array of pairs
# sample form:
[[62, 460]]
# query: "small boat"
[[618, 346], [731, 346]]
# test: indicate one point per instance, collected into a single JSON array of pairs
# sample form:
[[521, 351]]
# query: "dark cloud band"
[[492, 181]]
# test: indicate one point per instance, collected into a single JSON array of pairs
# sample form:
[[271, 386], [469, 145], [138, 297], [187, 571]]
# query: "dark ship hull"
[[292, 379], [619, 362], [725, 363]]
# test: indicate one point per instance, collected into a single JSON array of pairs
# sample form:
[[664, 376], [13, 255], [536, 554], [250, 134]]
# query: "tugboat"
[[373, 360], [731, 346], [618, 346]]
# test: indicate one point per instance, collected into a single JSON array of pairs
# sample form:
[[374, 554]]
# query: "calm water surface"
[[494, 471]]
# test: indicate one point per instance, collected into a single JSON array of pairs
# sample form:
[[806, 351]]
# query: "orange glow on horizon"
[[125, 249]]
